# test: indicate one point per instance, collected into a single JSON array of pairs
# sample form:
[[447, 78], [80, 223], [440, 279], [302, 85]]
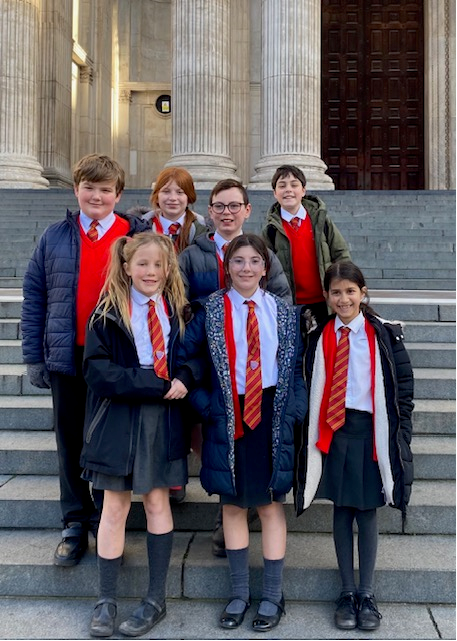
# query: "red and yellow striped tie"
[[253, 393], [336, 411], [158, 342], [295, 223], [92, 233]]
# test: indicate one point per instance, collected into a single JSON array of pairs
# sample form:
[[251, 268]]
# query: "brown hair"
[[247, 240], [285, 170], [98, 168], [228, 183], [185, 182], [346, 270]]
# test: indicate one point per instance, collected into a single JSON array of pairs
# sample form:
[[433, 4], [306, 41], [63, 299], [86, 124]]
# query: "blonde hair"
[[116, 291]]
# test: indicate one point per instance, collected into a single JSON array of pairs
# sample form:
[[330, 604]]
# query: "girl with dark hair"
[[253, 397], [356, 450]]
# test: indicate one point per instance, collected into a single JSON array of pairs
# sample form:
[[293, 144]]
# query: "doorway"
[[373, 93]]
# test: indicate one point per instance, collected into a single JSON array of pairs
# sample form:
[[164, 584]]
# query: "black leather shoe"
[[368, 616], [72, 546], [229, 620], [346, 611], [145, 617], [264, 622], [103, 618]]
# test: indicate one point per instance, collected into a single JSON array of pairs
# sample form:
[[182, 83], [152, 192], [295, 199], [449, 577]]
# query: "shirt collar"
[[105, 223], [355, 325], [287, 216], [166, 223], [221, 241], [238, 300], [141, 299]]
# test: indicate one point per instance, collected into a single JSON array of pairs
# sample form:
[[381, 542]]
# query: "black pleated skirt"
[[350, 476], [254, 461], [151, 467]]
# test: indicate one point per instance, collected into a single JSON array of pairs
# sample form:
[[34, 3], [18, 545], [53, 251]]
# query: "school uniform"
[[367, 462], [134, 439], [248, 467]]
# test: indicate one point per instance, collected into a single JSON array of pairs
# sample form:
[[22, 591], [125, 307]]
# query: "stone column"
[[201, 90], [440, 116], [55, 100], [19, 44], [291, 92]]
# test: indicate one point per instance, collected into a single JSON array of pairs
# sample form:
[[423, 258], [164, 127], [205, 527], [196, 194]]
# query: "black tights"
[[343, 518]]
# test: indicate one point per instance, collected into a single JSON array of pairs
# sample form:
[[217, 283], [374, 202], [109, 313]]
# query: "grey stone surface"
[[69, 619]]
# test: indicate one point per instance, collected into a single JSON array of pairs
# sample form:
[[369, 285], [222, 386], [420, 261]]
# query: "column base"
[[312, 166], [206, 170], [21, 172]]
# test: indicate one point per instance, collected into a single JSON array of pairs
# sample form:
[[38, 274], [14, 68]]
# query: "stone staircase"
[[415, 568]]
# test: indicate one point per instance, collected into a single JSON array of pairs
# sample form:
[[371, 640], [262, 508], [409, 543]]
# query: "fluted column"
[[291, 91], [55, 101], [201, 90], [19, 43], [440, 114]]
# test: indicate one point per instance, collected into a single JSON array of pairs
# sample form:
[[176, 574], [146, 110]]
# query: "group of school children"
[[133, 320]]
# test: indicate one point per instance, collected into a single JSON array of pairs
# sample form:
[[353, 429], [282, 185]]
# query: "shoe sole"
[[66, 563], [100, 635]]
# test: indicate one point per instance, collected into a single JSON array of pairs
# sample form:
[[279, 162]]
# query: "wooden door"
[[373, 93]]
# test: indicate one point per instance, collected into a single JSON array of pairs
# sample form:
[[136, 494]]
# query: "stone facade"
[[200, 84]]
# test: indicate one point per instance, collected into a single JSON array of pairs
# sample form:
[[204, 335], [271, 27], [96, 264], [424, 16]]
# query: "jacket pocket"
[[99, 414]]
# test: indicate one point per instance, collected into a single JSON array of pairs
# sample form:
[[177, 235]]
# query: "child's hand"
[[177, 390]]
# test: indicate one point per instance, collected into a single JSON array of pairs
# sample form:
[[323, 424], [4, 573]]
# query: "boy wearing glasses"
[[304, 238], [201, 263], [202, 271]]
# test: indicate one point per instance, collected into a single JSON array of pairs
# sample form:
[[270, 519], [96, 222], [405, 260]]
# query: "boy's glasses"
[[233, 208], [254, 263]]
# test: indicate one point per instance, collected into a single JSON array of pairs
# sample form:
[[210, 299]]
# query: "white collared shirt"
[[103, 225], [287, 216], [140, 308], [220, 241], [166, 223], [358, 392], [266, 312]]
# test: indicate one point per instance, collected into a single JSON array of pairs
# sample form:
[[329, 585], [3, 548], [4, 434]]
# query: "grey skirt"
[[151, 467], [350, 476]]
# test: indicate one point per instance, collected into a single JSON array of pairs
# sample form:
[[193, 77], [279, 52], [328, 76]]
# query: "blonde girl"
[[134, 438]]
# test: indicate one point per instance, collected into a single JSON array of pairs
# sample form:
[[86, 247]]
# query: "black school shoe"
[[265, 622], [145, 617], [71, 549], [368, 615], [346, 611], [230, 620], [103, 618]]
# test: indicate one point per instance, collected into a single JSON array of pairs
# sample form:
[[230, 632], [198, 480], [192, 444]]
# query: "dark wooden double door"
[[373, 93]]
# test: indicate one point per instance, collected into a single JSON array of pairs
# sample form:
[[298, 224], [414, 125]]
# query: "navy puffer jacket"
[[214, 400], [49, 309], [200, 271]]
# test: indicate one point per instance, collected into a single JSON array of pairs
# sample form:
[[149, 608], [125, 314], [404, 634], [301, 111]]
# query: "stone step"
[[188, 618], [35, 413], [421, 354], [424, 355], [33, 502], [410, 283], [430, 383], [418, 569], [33, 453], [429, 332]]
